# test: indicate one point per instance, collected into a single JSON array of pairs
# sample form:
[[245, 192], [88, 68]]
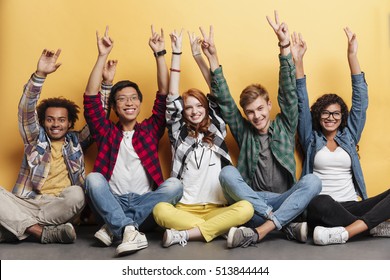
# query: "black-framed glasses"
[[326, 114]]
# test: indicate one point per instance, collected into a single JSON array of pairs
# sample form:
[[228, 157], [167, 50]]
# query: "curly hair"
[[121, 85], [323, 102], [203, 126], [58, 102]]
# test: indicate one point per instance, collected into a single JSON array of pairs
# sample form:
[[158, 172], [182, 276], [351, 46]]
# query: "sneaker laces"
[[336, 236], [248, 237], [179, 237]]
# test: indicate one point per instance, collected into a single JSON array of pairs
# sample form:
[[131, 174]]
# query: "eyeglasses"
[[326, 114], [123, 99]]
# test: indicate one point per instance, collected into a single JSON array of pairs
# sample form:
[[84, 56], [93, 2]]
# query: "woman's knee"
[[320, 204], [247, 209]]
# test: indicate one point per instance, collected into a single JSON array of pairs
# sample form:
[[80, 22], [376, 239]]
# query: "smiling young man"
[[265, 173], [127, 181], [48, 192]]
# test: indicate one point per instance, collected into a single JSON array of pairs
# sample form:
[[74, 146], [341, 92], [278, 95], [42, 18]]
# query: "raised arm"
[[157, 44], [281, 31], [298, 50], [352, 52], [27, 116], [357, 114], [105, 45], [174, 81], [47, 63], [209, 49], [196, 42]]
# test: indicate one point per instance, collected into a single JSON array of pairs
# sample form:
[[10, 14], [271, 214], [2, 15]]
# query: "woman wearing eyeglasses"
[[329, 135]]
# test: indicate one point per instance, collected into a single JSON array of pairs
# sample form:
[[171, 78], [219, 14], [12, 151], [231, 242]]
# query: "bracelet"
[[160, 53], [174, 70], [196, 54], [285, 46], [177, 53]]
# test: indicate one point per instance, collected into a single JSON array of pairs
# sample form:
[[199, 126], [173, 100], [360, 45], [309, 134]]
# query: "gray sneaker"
[[296, 231], [241, 237], [172, 236], [64, 233], [330, 235], [381, 230], [104, 235], [133, 240]]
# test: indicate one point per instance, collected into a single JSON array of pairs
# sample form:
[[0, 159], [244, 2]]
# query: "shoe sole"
[[102, 238], [130, 248], [303, 233], [230, 236]]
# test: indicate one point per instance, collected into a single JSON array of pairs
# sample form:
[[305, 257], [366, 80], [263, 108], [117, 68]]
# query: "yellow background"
[[246, 45]]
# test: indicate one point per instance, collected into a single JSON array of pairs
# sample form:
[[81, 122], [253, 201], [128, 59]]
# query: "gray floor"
[[274, 247]]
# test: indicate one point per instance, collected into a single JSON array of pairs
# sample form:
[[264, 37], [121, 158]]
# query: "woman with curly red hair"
[[196, 132]]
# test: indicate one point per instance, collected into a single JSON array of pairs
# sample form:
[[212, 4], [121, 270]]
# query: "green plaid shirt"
[[281, 131]]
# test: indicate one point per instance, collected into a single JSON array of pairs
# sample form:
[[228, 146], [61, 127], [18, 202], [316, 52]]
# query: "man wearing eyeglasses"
[[127, 181]]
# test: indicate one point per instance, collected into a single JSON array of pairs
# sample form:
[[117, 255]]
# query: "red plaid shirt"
[[108, 137]]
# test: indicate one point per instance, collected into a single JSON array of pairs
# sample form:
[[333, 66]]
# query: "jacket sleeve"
[[27, 116], [304, 119]]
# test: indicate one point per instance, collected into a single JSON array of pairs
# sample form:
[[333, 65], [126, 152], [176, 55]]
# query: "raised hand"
[[208, 45], [176, 40], [298, 46], [280, 29], [105, 43], [352, 41], [109, 72], [195, 42], [47, 63], [156, 41]]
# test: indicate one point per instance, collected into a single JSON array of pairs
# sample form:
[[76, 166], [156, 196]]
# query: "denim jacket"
[[313, 141]]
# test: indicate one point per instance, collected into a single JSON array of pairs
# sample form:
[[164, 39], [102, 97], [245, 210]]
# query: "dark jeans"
[[323, 210]]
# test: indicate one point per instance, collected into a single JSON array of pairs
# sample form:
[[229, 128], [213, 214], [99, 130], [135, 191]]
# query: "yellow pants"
[[211, 219]]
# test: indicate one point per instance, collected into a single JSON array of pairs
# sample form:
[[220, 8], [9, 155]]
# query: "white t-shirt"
[[200, 177], [334, 169], [129, 176]]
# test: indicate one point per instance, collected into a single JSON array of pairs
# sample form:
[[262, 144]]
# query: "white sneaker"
[[381, 230], [172, 236], [296, 231], [133, 240], [330, 235], [104, 235]]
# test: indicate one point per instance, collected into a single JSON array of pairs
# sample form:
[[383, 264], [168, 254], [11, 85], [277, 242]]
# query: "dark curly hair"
[[203, 126], [58, 102], [323, 102], [121, 85]]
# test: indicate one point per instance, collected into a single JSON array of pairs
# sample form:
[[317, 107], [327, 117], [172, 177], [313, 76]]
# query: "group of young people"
[[206, 195]]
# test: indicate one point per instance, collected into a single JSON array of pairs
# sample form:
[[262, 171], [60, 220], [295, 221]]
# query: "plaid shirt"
[[108, 137], [37, 147], [281, 131], [178, 134]]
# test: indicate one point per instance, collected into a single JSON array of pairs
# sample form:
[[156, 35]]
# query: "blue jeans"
[[119, 211], [281, 208]]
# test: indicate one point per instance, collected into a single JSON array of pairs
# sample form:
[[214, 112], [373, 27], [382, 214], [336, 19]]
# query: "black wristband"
[[177, 53], [285, 46], [156, 54]]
